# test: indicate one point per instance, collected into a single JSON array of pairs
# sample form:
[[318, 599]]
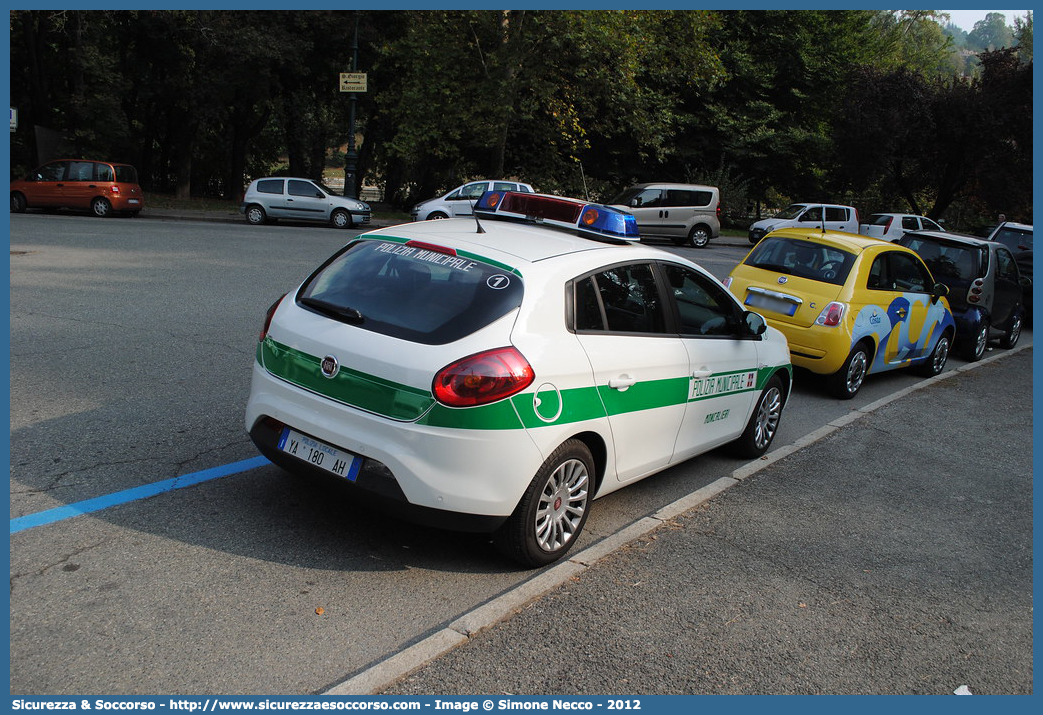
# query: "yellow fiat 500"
[[849, 305]]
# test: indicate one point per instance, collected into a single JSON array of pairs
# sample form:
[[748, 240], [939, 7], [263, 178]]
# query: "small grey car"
[[296, 199]]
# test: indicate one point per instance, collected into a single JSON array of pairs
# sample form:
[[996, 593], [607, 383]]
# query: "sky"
[[965, 19]]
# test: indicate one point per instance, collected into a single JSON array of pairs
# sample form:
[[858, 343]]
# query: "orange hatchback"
[[96, 186]]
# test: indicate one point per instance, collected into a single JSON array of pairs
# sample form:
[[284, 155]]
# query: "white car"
[[294, 199], [828, 217], [498, 373], [892, 227], [462, 199]]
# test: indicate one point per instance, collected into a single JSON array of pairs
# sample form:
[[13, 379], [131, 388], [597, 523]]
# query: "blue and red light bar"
[[595, 221]]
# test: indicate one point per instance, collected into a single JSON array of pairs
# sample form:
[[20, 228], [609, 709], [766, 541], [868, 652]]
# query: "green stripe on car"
[[410, 404]]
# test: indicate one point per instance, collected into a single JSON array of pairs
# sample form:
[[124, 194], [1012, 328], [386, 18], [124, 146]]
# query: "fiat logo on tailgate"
[[330, 367]]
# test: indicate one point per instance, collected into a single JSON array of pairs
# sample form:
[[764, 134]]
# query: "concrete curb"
[[379, 676]]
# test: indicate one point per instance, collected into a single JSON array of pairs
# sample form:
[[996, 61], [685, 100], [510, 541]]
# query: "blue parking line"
[[87, 506]]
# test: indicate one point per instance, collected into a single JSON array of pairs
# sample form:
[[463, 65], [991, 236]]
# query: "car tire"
[[101, 207], [551, 514], [1010, 338], [434, 216], [846, 382], [975, 348], [18, 203], [763, 424], [255, 215], [341, 219], [935, 364], [699, 236]]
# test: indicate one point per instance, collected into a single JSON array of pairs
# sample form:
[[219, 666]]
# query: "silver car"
[[462, 199], [295, 199]]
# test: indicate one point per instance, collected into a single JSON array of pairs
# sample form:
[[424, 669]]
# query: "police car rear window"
[[411, 291]]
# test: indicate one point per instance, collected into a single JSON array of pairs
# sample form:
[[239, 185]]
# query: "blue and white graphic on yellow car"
[[906, 330]]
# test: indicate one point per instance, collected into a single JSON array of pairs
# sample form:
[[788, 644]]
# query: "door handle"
[[622, 383]]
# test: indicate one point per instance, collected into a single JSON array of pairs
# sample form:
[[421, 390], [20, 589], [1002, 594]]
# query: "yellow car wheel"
[[845, 382]]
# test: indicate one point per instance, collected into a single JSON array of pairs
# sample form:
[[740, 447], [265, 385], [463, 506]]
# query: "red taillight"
[[974, 294], [831, 315], [483, 378], [888, 224], [718, 210], [268, 318]]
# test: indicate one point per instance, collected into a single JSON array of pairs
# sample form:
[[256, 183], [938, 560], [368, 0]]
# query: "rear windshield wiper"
[[340, 312]]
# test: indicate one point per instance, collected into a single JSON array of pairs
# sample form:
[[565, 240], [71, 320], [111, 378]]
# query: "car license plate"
[[132, 201], [333, 460], [767, 302]]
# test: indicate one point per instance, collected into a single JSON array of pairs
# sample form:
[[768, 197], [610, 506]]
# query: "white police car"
[[497, 373]]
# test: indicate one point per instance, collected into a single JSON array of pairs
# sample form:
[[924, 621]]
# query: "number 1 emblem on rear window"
[[498, 282]]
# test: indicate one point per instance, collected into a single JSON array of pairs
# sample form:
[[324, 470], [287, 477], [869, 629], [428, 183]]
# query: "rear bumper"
[[474, 477], [818, 349]]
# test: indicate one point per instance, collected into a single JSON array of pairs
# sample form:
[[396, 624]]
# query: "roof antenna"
[[476, 221], [583, 176]]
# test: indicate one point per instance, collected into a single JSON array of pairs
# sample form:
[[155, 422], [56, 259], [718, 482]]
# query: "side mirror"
[[754, 323], [940, 290]]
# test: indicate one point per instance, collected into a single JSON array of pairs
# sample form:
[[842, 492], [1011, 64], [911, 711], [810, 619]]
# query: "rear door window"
[[621, 299], [413, 292], [81, 171]]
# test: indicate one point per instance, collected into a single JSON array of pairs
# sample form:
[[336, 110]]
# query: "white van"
[[687, 214], [838, 218], [460, 200]]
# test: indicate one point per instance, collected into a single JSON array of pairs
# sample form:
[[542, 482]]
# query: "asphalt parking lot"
[[871, 561], [131, 343]]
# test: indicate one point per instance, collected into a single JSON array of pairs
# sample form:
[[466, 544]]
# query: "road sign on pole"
[[352, 81]]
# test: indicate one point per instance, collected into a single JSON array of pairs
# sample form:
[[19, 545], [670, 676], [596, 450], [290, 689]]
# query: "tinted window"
[[909, 223], [303, 188], [126, 174], [623, 299], [103, 172], [639, 198], [879, 220], [54, 171], [703, 308], [835, 213], [80, 171], [684, 197], [930, 225], [270, 186], [947, 261], [1006, 268], [411, 292], [894, 271], [806, 259], [1014, 239], [504, 186]]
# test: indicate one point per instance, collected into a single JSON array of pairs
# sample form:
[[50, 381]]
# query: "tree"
[[991, 33]]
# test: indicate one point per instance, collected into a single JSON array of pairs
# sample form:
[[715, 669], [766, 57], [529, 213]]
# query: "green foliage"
[[767, 105]]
